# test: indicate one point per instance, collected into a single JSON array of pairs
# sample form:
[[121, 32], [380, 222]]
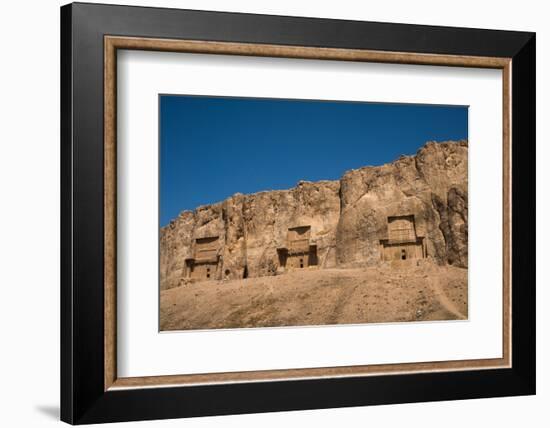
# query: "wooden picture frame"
[[91, 390]]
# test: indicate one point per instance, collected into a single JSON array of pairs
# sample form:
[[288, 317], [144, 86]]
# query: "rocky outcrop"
[[348, 218]]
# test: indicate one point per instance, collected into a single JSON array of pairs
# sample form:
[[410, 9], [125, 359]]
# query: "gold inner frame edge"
[[113, 43]]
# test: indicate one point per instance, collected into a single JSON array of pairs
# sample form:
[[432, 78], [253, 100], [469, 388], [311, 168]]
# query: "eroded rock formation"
[[415, 207]]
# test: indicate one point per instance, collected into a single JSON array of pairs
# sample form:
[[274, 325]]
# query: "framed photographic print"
[[265, 213]]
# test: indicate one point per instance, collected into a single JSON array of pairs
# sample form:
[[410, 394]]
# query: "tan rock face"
[[348, 219]]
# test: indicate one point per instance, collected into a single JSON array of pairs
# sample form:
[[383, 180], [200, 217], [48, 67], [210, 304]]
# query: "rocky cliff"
[[348, 218]]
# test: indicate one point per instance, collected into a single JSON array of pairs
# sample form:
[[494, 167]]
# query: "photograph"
[[294, 212]]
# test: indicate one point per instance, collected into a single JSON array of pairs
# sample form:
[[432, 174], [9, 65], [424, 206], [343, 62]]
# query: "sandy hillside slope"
[[320, 297]]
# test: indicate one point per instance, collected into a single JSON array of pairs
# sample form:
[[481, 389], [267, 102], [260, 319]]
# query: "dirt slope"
[[319, 297]]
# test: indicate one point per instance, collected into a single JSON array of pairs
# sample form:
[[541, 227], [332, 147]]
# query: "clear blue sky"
[[213, 147]]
